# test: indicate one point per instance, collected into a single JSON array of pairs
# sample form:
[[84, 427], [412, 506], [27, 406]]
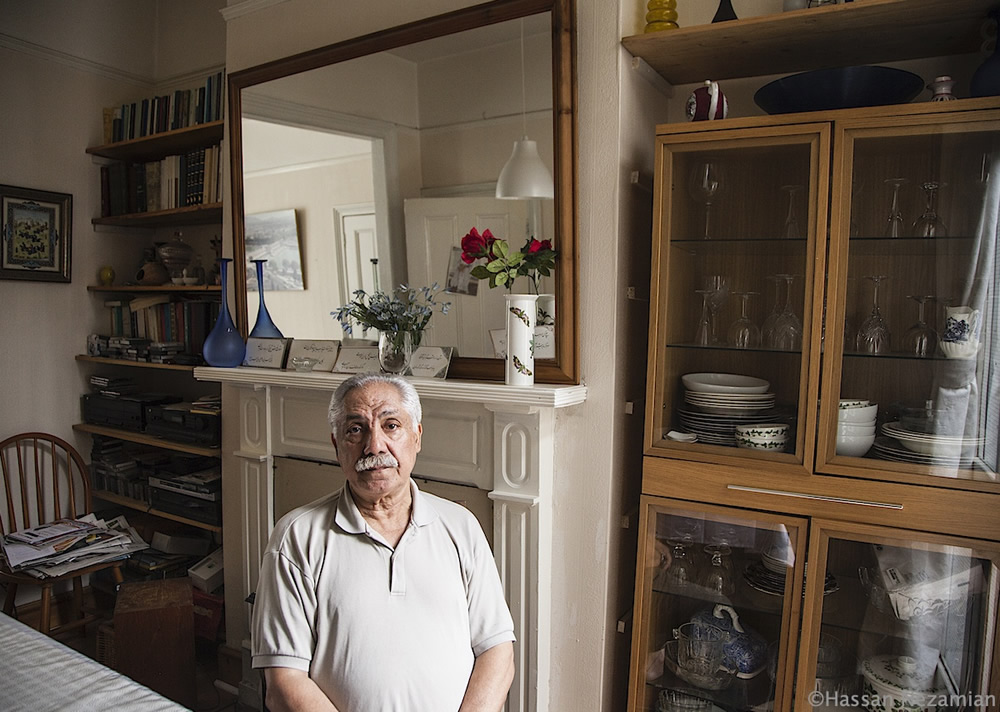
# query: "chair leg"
[[9, 599], [44, 619], [77, 598]]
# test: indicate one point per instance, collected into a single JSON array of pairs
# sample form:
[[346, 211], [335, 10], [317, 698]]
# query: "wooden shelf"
[[188, 215], [171, 288], [155, 147], [839, 35], [136, 364], [142, 506], [144, 439]]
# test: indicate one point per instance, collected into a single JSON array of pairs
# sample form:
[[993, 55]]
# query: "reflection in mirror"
[[388, 159]]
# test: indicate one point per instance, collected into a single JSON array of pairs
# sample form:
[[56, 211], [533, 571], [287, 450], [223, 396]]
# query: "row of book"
[[192, 178], [157, 328], [167, 112]]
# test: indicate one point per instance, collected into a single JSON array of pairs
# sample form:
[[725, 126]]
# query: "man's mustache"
[[372, 462]]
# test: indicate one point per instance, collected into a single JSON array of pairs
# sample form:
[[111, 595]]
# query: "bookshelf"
[[122, 459]]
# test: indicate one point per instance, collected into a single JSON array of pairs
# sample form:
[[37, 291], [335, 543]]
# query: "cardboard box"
[[207, 574], [177, 544]]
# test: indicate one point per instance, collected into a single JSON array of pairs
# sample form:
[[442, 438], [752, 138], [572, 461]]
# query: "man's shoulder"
[[304, 516]]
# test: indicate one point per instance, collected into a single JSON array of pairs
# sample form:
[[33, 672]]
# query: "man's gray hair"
[[408, 396]]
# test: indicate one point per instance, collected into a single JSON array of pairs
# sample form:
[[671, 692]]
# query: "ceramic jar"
[[745, 651], [900, 683], [707, 103]]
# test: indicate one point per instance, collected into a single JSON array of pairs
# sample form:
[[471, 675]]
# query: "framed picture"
[[274, 237], [36, 235], [460, 279], [266, 353], [323, 352]]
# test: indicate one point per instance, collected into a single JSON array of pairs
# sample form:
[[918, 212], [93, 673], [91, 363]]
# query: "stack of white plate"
[[721, 429], [718, 402], [730, 403], [930, 448]]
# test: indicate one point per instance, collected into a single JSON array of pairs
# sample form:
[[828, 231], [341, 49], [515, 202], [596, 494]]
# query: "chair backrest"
[[44, 479]]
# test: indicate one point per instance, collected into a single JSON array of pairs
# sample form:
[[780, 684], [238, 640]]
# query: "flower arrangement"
[[404, 310], [503, 265]]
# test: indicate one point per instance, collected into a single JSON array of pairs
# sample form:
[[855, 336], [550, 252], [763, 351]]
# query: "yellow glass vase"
[[661, 15]]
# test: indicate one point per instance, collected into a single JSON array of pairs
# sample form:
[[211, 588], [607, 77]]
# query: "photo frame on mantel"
[[563, 367], [36, 234]]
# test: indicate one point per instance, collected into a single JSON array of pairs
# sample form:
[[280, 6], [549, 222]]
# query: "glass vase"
[[263, 328], [394, 351], [224, 346]]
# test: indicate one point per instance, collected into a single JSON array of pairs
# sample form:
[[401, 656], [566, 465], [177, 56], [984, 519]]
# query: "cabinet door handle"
[[820, 497]]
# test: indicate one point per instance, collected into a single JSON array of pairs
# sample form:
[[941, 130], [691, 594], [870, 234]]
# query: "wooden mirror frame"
[[564, 368]]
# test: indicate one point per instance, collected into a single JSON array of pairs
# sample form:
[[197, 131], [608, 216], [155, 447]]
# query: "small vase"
[[941, 88], [263, 328], [394, 351], [519, 367], [725, 12], [224, 345]]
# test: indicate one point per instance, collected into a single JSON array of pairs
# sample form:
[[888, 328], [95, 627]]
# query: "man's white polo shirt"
[[380, 629]]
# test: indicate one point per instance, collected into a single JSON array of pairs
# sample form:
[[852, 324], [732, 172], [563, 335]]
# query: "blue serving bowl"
[[838, 88]]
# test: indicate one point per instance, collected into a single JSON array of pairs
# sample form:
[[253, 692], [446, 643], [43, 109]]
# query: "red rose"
[[474, 245]]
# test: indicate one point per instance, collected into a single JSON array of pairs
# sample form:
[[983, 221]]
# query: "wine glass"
[[920, 339], [873, 336], [703, 335], [704, 186], [743, 333], [894, 223], [718, 287], [718, 576], [792, 229], [929, 224], [767, 328], [787, 329]]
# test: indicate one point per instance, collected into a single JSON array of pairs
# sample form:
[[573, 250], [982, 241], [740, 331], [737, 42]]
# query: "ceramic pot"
[[707, 103], [106, 276], [961, 324], [519, 365], [152, 274], [745, 651]]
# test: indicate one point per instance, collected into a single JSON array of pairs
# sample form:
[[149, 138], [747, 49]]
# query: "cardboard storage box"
[[207, 573]]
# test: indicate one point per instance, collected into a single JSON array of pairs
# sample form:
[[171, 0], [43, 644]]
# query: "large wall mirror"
[[361, 165]]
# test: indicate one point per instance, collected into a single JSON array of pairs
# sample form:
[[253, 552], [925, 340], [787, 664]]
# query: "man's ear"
[[333, 439]]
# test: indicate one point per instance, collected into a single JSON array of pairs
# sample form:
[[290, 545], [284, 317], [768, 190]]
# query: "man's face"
[[377, 430]]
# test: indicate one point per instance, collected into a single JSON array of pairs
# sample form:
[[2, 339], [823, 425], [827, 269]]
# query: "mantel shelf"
[[839, 35], [539, 395]]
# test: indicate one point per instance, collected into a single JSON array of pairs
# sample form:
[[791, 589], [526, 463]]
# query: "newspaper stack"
[[66, 545]]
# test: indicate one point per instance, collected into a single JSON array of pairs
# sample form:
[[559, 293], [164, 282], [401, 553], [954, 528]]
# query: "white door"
[[358, 251], [436, 225]]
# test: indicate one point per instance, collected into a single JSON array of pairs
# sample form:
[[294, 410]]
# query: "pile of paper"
[[65, 545], [919, 582]]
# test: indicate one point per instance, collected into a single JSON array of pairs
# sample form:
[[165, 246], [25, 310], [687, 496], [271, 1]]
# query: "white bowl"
[[856, 429], [959, 349], [723, 383], [854, 445], [770, 445], [763, 430], [853, 403], [858, 415]]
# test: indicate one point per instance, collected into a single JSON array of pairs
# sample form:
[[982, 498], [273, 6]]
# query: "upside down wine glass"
[[787, 329], [920, 339], [929, 223], [767, 328], [894, 223], [743, 333], [703, 335], [873, 336]]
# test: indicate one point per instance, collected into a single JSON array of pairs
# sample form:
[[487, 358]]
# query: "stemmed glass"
[[894, 223], [873, 336], [743, 333], [704, 186], [929, 224], [792, 229], [920, 339], [718, 287], [787, 329], [767, 328], [703, 336]]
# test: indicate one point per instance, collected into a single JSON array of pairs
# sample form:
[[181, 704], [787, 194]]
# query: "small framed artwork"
[[358, 359], [274, 237], [430, 361], [321, 354], [266, 353], [37, 234]]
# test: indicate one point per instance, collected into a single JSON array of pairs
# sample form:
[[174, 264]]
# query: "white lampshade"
[[525, 174]]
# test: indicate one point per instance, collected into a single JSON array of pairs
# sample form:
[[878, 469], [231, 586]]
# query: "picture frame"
[[36, 235], [266, 352], [274, 236], [323, 351]]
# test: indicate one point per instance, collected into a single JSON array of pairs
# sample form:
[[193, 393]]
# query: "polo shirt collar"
[[350, 520]]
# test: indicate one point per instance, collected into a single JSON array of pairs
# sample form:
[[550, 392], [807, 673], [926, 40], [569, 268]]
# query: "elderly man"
[[381, 597]]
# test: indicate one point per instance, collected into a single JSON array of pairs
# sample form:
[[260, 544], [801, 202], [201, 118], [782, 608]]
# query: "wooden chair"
[[44, 479]]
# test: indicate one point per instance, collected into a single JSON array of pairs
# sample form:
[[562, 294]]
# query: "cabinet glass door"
[[913, 625], [716, 591], [738, 216], [913, 261]]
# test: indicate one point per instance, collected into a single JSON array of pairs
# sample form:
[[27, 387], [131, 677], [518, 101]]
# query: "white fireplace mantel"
[[492, 436]]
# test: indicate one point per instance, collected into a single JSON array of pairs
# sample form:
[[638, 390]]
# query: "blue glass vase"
[[264, 328], [224, 346]]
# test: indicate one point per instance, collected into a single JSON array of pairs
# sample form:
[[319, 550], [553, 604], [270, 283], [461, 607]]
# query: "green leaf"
[[501, 249], [480, 272], [495, 266], [502, 278]]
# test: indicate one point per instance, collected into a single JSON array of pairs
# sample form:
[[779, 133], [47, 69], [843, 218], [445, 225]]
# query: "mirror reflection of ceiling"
[[442, 116]]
